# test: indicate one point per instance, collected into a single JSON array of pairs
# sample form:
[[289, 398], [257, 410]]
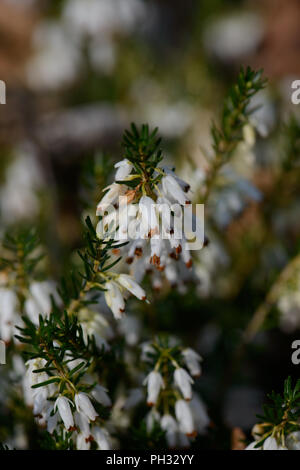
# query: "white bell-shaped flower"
[[102, 438], [172, 189], [164, 209], [100, 394], [63, 405], [40, 402], [149, 220], [152, 418], [200, 415], [82, 423], [114, 299], [84, 406], [114, 191], [124, 168], [154, 383], [183, 184], [52, 419], [192, 360], [39, 300], [157, 245], [82, 443], [169, 424], [293, 441], [183, 381], [185, 418], [132, 286], [272, 444]]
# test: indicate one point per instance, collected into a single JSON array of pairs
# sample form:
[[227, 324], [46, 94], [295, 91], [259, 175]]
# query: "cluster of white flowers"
[[38, 302], [57, 58], [153, 224], [51, 408], [188, 420], [155, 209], [188, 416], [116, 290], [94, 323]]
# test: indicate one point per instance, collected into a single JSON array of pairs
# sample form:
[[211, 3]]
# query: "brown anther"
[[189, 264], [155, 260], [192, 434], [138, 252], [178, 249], [153, 231], [129, 260], [160, 268], [116, 251], [130, 195]]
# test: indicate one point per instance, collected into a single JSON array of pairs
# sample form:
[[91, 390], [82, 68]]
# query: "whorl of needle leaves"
[[281, 415], [236, 112], [55, 336], [21, 250], [141, 148]]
